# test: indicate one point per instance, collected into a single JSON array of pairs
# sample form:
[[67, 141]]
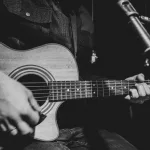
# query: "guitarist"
[[29, 23]]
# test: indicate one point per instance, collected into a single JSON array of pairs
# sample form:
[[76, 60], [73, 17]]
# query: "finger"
[[3, 127], [147, 90], [140, 77], [134, 93], [9, 127], [12, 129], [32, 101], [16, 120], [24, 128], [141, 89], [32, 117], [133, 78]]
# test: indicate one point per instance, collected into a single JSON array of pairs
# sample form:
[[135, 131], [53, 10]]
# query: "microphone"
[[134, 17]]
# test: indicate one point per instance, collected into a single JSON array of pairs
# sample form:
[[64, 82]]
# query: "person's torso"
[[26, 24]]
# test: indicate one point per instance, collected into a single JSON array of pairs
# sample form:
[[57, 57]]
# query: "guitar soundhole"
[[37, 85]]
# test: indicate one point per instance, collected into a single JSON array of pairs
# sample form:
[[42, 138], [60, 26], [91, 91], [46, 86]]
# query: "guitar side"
[[49, 62]]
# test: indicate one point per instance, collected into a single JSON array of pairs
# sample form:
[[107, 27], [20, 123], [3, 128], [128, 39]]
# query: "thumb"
[[139, 77]]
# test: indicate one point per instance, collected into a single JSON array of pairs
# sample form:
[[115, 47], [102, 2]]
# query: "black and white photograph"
[[74, 75]]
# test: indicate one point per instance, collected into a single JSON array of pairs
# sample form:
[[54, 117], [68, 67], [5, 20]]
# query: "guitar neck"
[[65, 90]]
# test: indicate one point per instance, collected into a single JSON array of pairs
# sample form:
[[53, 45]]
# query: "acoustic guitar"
[[51, 73]]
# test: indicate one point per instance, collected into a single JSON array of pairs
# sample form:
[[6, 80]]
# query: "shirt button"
[[27, 14]]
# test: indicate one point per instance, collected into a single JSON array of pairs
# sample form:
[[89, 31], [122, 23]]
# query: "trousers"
[[74, 139]]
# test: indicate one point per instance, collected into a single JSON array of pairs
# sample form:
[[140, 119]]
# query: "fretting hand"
[[19, 111], [141, 92]]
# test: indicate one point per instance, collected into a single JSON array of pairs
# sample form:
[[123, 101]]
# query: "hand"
[[141, 92], [19, 111]]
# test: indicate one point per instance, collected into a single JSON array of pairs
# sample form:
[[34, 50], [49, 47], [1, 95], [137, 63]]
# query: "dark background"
[[120, 55], [118, 46]]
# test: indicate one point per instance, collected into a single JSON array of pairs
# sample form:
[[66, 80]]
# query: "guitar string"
[[64, 90], [57, 87], [65, 85], [82, 89], [81, 85], [104, 81], [53, 97], [117, 84]]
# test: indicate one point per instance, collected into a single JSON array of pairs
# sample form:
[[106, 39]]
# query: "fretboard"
[[64, 90]]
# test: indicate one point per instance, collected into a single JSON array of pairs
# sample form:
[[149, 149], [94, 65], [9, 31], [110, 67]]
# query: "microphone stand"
[[133, 15]]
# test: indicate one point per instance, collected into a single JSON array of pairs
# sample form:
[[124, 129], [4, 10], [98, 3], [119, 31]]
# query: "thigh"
[[37, 145], [115, 141]]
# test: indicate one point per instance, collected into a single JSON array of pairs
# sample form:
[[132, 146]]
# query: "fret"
[[89, 89], [103, 88], [109, 87], [70, 87], [58, 87], [121, 87], [112, 87], [76, 90], [80, 87], [115, 88], [128, 88], [61, 90], [97, 86], [65, 90], [125, 87], [85, 89], [67, 83], [93, 89]]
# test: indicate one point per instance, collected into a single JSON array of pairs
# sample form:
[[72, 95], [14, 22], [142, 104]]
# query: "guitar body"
[[51, 62]]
